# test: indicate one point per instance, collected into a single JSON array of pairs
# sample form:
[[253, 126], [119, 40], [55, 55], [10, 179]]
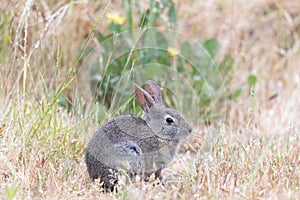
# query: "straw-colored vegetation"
[[252, 152]]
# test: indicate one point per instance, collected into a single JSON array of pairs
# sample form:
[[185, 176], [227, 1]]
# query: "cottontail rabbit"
[[136, 145]]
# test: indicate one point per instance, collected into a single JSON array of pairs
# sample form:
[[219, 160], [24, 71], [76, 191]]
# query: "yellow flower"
[[116, 18], [173, 51]]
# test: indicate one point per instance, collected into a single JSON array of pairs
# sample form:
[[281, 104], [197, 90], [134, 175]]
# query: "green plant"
[[11, 192], [128, 47]]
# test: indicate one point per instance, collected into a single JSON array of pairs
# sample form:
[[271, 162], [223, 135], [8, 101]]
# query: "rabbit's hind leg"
[[96, 169]]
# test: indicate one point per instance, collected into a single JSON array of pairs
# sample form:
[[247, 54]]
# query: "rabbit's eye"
[[169, 120]]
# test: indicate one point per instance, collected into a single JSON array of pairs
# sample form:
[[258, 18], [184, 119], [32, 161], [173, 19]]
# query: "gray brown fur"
[[136, 145]]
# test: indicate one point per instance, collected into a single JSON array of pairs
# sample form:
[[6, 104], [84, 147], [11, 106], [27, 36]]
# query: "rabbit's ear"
[[154, 90], [144, 98]]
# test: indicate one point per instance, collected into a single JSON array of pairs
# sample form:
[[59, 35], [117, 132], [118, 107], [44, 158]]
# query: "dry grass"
[[254, 154]]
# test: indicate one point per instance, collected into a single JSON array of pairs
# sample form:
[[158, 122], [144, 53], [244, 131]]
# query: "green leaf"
[[115, 28], [11, 192], [62, 101], [165, 2], [226, 64], [186, 51], [144, 19], [102, 37], [212, 46], [146, 55], [172, 14], [162, 41], [236, 94], [252, 80], [163, 57]]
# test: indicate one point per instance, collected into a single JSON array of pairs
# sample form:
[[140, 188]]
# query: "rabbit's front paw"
[[159, 178]]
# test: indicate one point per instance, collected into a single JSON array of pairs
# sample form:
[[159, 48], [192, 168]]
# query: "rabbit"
[[135, 145]]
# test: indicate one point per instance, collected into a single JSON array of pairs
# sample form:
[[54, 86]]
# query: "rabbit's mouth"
[[169, 134]]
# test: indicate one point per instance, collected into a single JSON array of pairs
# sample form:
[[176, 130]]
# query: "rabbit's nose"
[[190, 129]]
